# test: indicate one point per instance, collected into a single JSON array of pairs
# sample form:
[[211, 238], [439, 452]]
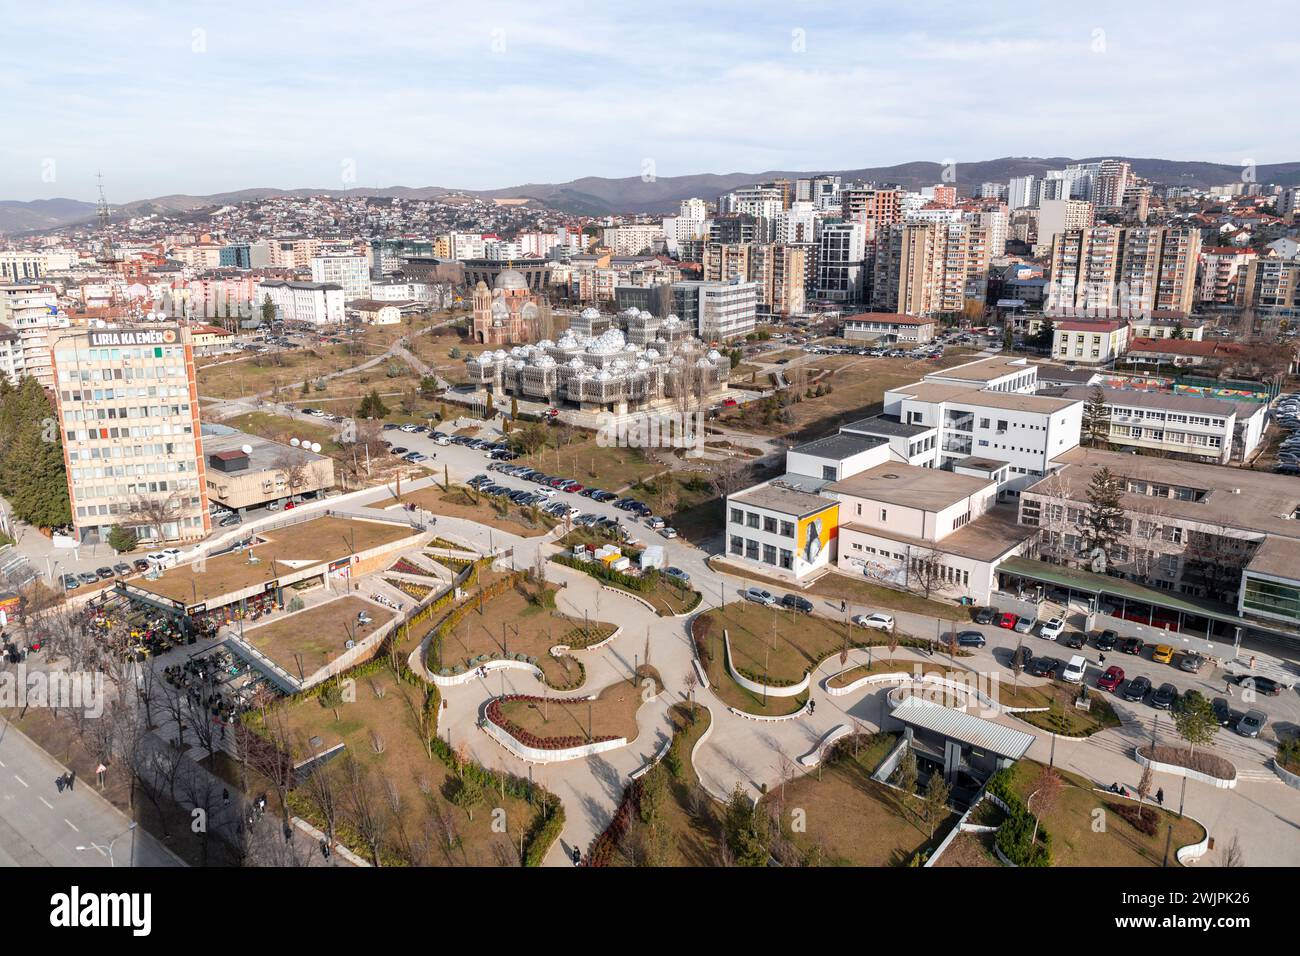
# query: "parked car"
[[881, 622], [1131, 645], [971, 639], [1008, 621], [140, 564], [1106, 640], [794, 602], [1223, 711], [1024, 625], [1162, 654], [70, 582], [759, 596], [654, 524], [1052, 628], [121, 568], [1044, 666], [1165, 697], [1075, 669], [1137, 689], [1252, 723], [87, 577], [1261, 685], [1191, 663], [986, 615], [229, 521], [399, 450], [1111, 680], [1076, 640], [104, 573], [677, 574], [1021, 657]]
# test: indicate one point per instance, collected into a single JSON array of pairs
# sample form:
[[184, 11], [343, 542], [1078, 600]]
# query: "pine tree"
[[1096, 417], [1103, 522]]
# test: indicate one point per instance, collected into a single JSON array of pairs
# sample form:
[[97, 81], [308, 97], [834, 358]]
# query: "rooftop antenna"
[[107, 254]]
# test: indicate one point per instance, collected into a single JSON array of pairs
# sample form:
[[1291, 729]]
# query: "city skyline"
[[165, 101]]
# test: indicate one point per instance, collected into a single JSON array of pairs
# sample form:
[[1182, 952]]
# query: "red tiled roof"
[[1185, 347], [1084, 326]]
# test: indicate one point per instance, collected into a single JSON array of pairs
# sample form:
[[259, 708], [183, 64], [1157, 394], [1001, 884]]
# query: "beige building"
[[245, 471], [129, 414], [1115, 271], [931, 268]]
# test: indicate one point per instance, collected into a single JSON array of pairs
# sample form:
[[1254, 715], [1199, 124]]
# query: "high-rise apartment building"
[[869, 204], [1126, 271], [842, 263], [1222, 268], [129, 416], [780, 273], [931, 268]]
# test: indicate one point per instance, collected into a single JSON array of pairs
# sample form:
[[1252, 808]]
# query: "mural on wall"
[[890, 573], [815, 534]]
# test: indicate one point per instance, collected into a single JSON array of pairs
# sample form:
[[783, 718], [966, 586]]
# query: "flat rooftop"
[[988, 538], [907, 486], [786, 501], [265, 456], [279, 552], [887, 425], [982, 370], [958, 725], [1238, 498], [1062, 373], [316, 636], [1011, 401], [1148, 398], [838, 447], [1278, 557]]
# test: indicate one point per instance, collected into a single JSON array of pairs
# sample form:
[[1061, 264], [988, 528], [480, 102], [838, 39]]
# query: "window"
[[751, 549], [884, 514], [787, 559], [737, 544], [737, 516], [751, 519], [828, 473], [787, 529], [769, 554], [769, 524]]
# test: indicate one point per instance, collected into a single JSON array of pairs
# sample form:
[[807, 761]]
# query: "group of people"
[[206, 681]]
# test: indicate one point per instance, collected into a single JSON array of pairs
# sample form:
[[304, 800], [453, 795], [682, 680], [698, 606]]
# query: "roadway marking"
[[48, 805], [71, 824], [20, 780]]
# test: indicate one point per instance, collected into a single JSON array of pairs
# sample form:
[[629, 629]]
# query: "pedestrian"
[[72, 778], [812, 706], [1101, 658], [844, 606], [225, 796], [1160, 796], [59, 781], [1252, 661], [1227, 687], [325, 849], [577, 856]]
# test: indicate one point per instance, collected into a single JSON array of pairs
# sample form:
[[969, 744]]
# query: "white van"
[[1075, 669]]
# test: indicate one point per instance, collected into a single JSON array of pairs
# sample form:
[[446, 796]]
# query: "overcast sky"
[[210, 96]]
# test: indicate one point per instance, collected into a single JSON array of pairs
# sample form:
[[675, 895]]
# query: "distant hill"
[[597, 195]]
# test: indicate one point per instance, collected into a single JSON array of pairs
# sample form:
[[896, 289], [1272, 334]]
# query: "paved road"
[[41, 827]]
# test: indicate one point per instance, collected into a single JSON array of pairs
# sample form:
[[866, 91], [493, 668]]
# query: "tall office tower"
[[351, 272], [129, 415], [719, 310], [931, 268], [842, 262], [1021, 192]]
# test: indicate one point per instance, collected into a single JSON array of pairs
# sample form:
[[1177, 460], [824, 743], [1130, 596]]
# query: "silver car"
[[1251, 723]]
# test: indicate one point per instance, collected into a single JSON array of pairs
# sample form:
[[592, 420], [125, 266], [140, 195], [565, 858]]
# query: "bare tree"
[[365, 812]]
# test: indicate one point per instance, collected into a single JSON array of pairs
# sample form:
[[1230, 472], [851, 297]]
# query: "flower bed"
[[1199, 761], [494, 714], [403, 566], [417, 591]]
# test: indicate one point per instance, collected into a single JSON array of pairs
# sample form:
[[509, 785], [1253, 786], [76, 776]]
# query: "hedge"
[[1015, 836], [629, 582]]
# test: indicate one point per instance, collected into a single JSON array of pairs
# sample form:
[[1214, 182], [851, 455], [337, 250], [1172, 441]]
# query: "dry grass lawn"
[[307, 640]]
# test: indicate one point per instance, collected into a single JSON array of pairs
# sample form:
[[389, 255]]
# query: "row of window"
[[752, 519], [135, 431], [123, 509], [770, 553], [115, 412], [119, 354]]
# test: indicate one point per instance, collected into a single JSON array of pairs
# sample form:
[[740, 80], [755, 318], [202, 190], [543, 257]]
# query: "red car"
[[1111, 680], [729, 403], [1008, 620]]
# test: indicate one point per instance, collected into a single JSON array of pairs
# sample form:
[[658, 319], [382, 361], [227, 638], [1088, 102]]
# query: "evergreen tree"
[[1045, 334], [1104, 520], [122, 539], [1096, 418], [32, 475], [268, 310]]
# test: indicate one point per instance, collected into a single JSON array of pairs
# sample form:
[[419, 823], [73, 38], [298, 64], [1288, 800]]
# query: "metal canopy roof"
[[968, 729]]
